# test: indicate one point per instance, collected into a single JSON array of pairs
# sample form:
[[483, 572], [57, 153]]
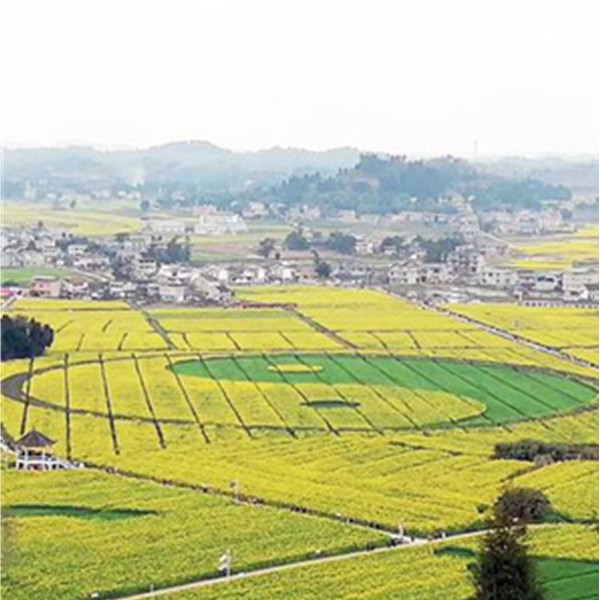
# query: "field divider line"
[[184, 337], [80, 343], [289, 341], [225, 395], [25, 415], [109, 409], [371, 388], [474, 344], [343, 397], [67, 407], [64, 326], [233, 341], [302, 395], [187, 399], [106, 326], [158, 328], [316, 326], [380, 341], [122, 341], [159, 432], [286, 426], [414, 340]]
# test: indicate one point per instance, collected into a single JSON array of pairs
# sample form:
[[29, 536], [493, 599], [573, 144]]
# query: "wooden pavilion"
[[34, 452]]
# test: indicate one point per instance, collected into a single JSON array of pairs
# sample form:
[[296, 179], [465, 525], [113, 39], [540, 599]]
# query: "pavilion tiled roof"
[[35, 439]]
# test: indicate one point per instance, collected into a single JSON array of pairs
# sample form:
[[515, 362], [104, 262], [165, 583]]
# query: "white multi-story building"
[[214, 222], [498, 277], [404, 275], [168, 226]]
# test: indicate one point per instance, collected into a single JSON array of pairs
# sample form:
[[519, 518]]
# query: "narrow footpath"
[[202, 583]]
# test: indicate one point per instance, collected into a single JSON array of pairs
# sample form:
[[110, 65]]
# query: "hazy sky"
[[412, 77]]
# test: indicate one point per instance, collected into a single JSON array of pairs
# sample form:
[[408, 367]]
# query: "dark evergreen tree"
[[504, 569], [24, 338]]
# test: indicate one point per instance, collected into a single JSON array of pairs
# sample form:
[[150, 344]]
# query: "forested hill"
[[335, 179], [179, 164], [382, 184]]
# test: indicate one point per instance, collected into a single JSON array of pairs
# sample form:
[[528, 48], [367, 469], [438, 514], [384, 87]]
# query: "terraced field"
[[336, 407]]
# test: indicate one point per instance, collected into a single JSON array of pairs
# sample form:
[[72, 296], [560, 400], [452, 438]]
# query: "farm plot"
[[574, 330], [373, 321], [565, 557], [92, 326], [248, 329], [111, 536]]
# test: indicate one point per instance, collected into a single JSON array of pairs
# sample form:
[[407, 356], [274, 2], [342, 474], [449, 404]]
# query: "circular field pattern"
[[303, 392]]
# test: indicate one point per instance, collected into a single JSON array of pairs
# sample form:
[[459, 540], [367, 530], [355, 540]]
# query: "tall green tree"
[[504, 569]]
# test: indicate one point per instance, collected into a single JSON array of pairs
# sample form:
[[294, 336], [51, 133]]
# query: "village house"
[[211, 221], [172, 292], [283, 272], [255, 210], [211, 290], [92, 262], [144, 267], [466, 260], [547, 282], [75, 287], [31, 258], [350, 272], [580, 284], [468, 227], [74, 250], [251, 275], [435, 273], [48, 249], [169, 226], [404, 274], [122, 289], [44, 286], [364, 246], [498, 277]]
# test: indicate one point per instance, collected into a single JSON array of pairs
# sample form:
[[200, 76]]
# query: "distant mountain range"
[[212, 168], [193, 162]]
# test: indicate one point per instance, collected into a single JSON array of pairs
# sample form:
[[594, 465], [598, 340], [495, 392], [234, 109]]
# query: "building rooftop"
[[35, 439]]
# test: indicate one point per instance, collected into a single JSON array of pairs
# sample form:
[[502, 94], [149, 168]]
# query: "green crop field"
[[311, 426]]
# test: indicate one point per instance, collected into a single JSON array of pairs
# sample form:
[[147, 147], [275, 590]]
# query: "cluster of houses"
[[526, 222]]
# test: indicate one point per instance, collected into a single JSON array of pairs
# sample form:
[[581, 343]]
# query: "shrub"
[[531, 449]]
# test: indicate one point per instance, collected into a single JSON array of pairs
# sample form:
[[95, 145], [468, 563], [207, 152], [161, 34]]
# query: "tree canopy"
[[24, 338]]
